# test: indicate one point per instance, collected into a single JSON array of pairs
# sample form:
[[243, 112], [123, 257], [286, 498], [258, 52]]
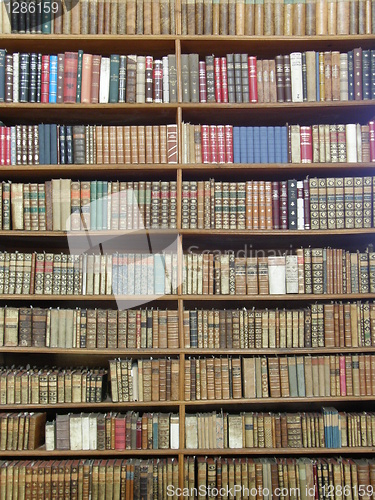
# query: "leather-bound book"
[[321, 17], [259, 18], [249, 17], [223, 17], [67, 18], [164, 17], [353, 17], [95, 79], [82, 27], [232, 17], [357, 67], [287, 79], [335, 74], [332, 17], [131, 17], [240, 17], [269, 24], [361, 17], [327, 76], [288, 17], [342, 27], [190, 14], [70, 77], [299, 18], [310, 17], [155, 7], [207, 17], [86, 78]]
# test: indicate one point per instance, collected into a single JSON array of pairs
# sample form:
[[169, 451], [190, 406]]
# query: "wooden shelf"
[[141, 352], [188, 232], [41, 452], [214, 403], [128, 405], [91, 298]]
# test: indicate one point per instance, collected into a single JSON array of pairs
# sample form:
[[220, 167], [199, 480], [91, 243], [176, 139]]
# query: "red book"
[[139, 434], [45, 79], [224, 80], [217, 73], [253, 82], [275, 205], [2, 145], [213, 143], [70, 77], [342, 376], [306, 205], [202, 82], [283, 205], [220, 144], [228, 144], [372, 140], [120, 433], [306, 144], [157, 77], [206, 154]]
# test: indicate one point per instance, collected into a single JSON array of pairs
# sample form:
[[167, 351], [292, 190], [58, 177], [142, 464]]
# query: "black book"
[[69, 144], [28, 20], [351, 75], [39, 79], [24, 77], [122, 80], [42, 160], [304, 77], [231, 83], [14, 16], [372, 73], [292, 204], [62, 145], [237, 78], [366, 75], [33, 77], [245, 77], [21, 18], [79, 144], [210, 79]]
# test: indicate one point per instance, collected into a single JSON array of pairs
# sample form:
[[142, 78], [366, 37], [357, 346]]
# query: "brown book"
[[155, 8], [259, 19], [327, 76], [321, 17], [299, 18]]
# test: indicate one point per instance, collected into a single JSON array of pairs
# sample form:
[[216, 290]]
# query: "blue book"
[[2, 74], [263, 145], [47, 144], [243, 145], [53, 137], [52, 96], [236, 145], [105, 204], [271, 144], [99, 203], [155, 432], [159, 274], [278, 154], [256, 144], [317, 77], [250, 144], [93, 204], [284, 144], [42, 160]]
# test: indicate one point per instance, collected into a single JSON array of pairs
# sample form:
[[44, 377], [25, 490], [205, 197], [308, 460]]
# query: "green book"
[[79, 76], [46, 17], [114, 77]]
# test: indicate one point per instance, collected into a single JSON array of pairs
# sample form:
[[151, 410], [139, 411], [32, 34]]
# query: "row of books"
[[33, 385], [144, 379], [22, 431], [297, 77], [129, 17], [63, 204], [89, 328], [315, 326], [50, 144], [314, 203], [280, 18], [97, 478], [305, 476], [321, 143], [75, 77], [279, 377], [113, 431], [309, 270], [62, 274], [79, 144], [327, 429]]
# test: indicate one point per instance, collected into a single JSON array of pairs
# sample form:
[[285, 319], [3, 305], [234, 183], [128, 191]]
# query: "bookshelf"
[[212, 113]]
